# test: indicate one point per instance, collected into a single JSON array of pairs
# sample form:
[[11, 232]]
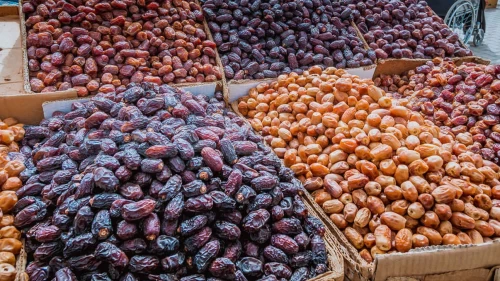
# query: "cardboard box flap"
[[63, 105], [26, 108], [437, 260], [399, 66], [496, 275], [363, 72], [238, 89], [463, 275], [206, 89]]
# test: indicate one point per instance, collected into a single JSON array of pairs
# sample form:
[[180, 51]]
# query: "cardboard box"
[[436, 263], [363, 71], [491, 4], [335, 260], [14, 101], [26, 78], [399, 66]]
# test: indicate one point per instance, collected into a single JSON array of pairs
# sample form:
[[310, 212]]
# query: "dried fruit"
[[102, 47], [254, 45], [146, 191], [372, 161]]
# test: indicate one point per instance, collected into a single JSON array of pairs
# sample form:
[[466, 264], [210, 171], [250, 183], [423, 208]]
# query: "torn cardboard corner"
[[399, 66], [27, 108]]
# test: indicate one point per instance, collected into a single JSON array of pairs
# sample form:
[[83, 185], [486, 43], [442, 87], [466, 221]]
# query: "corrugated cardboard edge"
[[24, 36], [421, 261], [399, 66], [438, 260], [21, 261]]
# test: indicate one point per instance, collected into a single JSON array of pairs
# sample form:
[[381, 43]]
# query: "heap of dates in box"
[[104, 45], [157, 184], [464, 100], [404, 29], [262, 39], [389, 179]]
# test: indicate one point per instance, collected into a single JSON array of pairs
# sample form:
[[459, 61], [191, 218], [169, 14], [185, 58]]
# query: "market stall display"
[[159, 184], [262, 39], [10, 167], [464, 100], [102, 47], [404, 29], [389, 179], [135, 177]]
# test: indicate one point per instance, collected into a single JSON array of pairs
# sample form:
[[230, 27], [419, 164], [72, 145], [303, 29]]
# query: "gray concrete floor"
[[490, 49]]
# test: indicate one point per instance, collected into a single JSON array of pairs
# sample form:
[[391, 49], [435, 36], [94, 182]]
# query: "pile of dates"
[[157, 184], [105, 45], [10, 167], [265, 38], [388, 178], [464, 100], [404, 29]]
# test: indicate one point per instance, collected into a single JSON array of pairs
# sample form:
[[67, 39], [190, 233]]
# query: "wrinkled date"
[[285, 37], [12, 172], [148, 193], [102, 47]]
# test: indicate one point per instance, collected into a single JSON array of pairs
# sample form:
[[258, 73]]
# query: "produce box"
[[437, 263], [335, 260], [398, 66], [26, 74], [14, 101], [267, 63]]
